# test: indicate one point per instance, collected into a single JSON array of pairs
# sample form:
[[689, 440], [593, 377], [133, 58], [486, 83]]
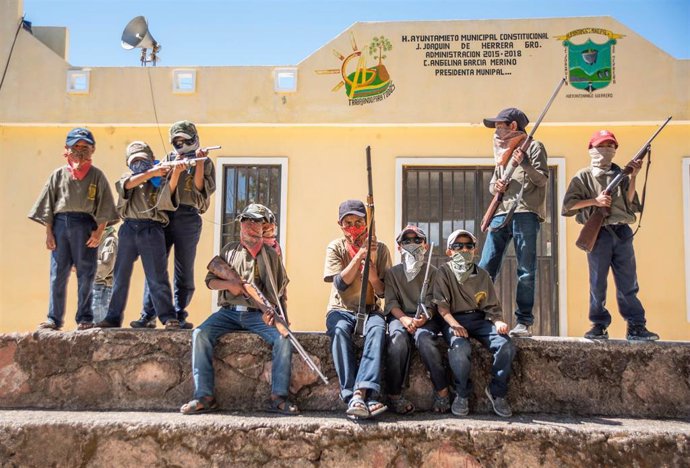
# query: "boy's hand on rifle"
[[269, 317], [420, 322], [501, 327], [635, 166], [603, 200], [158, 171], [519, 156], [408, 323], [201, 153], [501, 186]]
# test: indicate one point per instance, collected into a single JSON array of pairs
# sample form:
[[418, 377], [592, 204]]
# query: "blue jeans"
[[460, 349], [615, 251], [141, 238], [183, 232], [523, 228], [399, 351], [228, 320], [71, 231], [101, 301], [339, 327]]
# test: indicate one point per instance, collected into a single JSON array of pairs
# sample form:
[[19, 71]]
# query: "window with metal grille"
[[244, 184]]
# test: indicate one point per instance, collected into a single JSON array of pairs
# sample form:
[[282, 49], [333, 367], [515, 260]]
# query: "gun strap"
[[644, 190], [513, 207]]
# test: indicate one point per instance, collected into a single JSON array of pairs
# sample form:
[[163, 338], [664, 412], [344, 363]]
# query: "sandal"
[[441, 404], [85, 326], [401, 405], [288, 407], [358, 408], [201, 405], [376, 407]]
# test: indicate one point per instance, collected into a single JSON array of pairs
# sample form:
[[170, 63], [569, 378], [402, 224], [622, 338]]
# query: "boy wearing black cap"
[[404, 284], [521, 211], [145, 199], [75, 206], [613, 248], [183, 231], [359, 386], [255, 263], [467, 301]]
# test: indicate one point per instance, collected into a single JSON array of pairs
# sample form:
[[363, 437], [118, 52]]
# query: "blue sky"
[[262, 32]]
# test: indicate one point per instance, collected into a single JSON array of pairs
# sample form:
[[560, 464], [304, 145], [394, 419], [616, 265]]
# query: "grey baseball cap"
[[460, 232], [508, 115], [138, 150], [348, 207]]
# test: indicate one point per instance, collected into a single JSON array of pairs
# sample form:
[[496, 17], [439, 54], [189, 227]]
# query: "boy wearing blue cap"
[[75, 206]]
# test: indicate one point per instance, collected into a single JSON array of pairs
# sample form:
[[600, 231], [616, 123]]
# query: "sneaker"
[[172, 324], [520, 330], [500, 405], [461, 406], [48, 325], [185, 325], [144, 322], [598, 332], [107, 324], [638, 332]]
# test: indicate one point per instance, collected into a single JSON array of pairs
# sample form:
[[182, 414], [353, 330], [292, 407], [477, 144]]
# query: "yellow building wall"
[[323, 138]]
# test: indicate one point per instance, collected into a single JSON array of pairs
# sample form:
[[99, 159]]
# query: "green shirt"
[[534, 173], [404, 294], [187, 192], [107, 251], [145, 202], [585, 186], [64, 194], [337, 259], [477, 293]]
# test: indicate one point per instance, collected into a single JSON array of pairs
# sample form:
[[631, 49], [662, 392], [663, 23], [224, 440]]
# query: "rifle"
[[513, 164], [219, 267], [421, 306], [362, 315], [187, 162], [590, 231], [192, 153]]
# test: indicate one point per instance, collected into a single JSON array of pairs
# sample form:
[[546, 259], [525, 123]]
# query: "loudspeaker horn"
[[137, 35]]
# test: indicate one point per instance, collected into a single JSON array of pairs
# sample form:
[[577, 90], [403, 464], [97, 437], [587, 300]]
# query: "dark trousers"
[[182, 232], [460, 350], [145, 239], [399, 352], [71, 231], [614, 249]]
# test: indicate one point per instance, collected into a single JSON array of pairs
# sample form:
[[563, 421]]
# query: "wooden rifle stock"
[[513, 164], [366, 295], [590, 231]]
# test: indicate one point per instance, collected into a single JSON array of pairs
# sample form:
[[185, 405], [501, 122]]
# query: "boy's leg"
[[60, 267], [204, 339], [185, 234], [426, 341], [625, 276], [148, 311], [369, 372], [525, 231], [398, 352], [86, 261], [599, 261], [127, 254], [151, 240], [459, 351], [495, 247], [339, 327], [502, 349]]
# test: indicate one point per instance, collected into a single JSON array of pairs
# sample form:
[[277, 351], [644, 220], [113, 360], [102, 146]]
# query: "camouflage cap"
[[183, 128], [255, 211], [138, 150]]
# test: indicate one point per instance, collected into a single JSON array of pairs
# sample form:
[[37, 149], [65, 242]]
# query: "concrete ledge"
[[50, 438], [126, 369]]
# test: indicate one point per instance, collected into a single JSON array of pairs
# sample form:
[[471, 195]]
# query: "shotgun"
[[590, 231], [421, 304], [366, 295], [513, 164]]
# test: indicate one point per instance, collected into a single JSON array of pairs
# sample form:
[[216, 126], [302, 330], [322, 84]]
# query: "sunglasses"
[[462, 245], [410, 240], [253, 220], [180, 143]]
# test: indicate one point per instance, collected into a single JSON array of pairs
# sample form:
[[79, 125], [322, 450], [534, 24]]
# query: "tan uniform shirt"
[[477, 293], [187, 192], [64, 194], [535, 176], [251, 270], [585, 186], [405, 295], [337, 259], [106, 260], [145, 202]]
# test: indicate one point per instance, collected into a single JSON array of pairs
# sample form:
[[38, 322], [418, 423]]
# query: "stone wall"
[[125, 369]]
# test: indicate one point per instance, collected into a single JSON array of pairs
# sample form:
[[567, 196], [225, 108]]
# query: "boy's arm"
[[458, 330], [138, 179]]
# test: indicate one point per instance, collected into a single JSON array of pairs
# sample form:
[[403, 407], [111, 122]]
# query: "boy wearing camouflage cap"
[[183, 230], [146, 196], [75, 206]]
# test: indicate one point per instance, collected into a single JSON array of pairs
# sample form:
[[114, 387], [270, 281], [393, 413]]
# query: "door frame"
[[558, 163]]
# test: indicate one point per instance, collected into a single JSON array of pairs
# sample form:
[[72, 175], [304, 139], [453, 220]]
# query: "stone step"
[[129, 439], [124, 369]]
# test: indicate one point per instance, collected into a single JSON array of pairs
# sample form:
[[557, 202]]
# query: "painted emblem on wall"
[[363, 84], [590, 64]]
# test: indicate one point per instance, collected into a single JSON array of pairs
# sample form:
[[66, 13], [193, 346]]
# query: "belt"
[[79, 215], [241, 308]]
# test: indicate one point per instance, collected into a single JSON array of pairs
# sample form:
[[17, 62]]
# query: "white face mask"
[[188, 148], [601, 158], [412, 259]]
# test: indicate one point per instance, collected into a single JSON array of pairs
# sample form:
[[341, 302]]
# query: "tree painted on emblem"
[[379, 45]]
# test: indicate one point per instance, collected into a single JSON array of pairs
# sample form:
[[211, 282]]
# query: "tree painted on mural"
[[377, 48]]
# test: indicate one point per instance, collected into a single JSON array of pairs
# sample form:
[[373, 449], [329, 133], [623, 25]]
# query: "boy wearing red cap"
[[613, 248]]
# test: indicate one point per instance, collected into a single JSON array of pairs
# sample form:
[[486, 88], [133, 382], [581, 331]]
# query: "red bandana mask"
[[355, 238], [269, 237], [77, 167], [251, 236]]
